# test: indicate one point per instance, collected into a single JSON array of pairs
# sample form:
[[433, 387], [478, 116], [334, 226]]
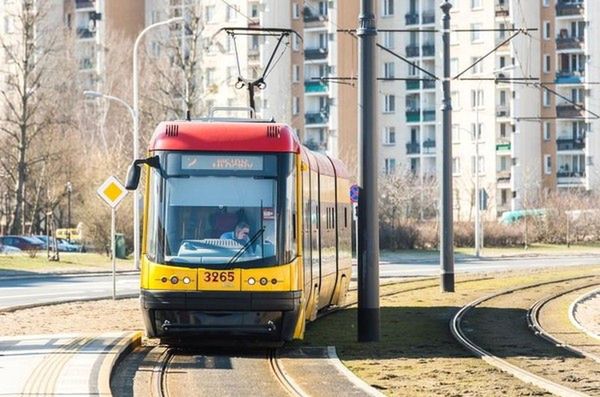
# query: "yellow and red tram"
[[246, 232]]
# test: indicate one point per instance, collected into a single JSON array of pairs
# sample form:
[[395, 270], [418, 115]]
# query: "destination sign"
[[224, 163]]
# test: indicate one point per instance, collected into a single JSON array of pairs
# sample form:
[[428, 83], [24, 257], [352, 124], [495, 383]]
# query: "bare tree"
[[30, 102]]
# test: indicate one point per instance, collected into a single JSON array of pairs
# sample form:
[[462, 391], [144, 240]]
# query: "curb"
[[572, 308], [67, 274], [125, 345], [355, 380], [97, 298]]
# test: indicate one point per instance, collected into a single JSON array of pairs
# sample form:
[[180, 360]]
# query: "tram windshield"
[[221, 210]]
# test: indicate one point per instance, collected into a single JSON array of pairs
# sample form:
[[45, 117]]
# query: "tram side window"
[[291, 215], [153, 213]]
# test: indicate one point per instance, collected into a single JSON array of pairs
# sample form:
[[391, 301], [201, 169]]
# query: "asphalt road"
[[44, 289]]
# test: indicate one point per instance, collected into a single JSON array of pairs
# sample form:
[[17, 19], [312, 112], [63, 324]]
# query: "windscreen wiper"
[[246, 246]]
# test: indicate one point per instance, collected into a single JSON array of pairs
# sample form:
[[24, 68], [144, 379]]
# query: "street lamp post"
[[69, 190], [136, 121]]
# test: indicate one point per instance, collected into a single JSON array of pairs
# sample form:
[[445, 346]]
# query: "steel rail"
[[291, 387], [158, 380], [533, 315], [573, 308], [520, 373]]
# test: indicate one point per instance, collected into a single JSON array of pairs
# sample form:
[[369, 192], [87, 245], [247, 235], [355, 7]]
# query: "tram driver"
[[241, 233]]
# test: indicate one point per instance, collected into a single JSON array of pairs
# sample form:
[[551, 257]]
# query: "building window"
[[231, 12], [476, 32], [388, 39], [477, 99], [254, 10], [209, 14], [295, 105], [546, 131], [390, 166], [455, 98], [547, 164], [545, 3], [547, 65], [481, 165], [455, 133], [454, 66], [454, 38], [388, 70], [296, 73], [475, 4], [456, 166], [478, 132], [295, 11], [389, 104], [390, 136], [388, 8], [546, 30], [477, 67], [547, 99]]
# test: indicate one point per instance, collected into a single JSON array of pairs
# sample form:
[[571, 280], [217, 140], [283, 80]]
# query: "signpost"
[[112, 192]]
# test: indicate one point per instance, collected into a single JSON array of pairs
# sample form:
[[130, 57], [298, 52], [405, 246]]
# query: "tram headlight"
[[251, 281], [174, 280], [263, 281], [186, 280]]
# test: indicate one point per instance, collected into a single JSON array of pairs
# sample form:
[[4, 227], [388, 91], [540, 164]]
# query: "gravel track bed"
[[499, 325]]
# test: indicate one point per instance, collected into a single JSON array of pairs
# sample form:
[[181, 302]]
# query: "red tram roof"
[[224, 136]]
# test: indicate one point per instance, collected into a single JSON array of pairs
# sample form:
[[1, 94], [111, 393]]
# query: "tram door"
[[315, 223]]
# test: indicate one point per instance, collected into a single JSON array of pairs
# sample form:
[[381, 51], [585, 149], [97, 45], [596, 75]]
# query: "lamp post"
[[132, 113], [136, 121], [69, 190]]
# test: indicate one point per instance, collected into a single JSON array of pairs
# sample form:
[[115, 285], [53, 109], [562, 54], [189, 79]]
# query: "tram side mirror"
[[134, 172], [133, 176]]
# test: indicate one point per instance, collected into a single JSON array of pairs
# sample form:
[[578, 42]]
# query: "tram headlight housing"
[[251, 281], [174, 279], [264, 281], [186, 280]]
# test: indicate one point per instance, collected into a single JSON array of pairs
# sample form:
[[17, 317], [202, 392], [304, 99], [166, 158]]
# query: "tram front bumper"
[[264, 315]]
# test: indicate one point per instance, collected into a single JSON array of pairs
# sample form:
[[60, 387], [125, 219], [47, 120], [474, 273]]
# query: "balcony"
[[503, 147], [428, 50], [412, 18], [428, 115], [315, 53], [502, 10], [503, 176], [315, 86], [86, 64], [569, 77], [569, 9], [413, 84], [83, 4], [413, 148], [429, 146], [428, 18], [311, 16], [570, 174], [413, 116], [84, 33], [569, 43], [568, 112], [316, 118], [570, 144], [503, 112], [428, 84], [412, 50]]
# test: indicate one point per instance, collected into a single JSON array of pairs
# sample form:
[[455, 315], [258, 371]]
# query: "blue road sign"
[[354, 193]]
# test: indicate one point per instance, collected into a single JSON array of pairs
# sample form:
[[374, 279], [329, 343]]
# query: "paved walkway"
[[67, 364]]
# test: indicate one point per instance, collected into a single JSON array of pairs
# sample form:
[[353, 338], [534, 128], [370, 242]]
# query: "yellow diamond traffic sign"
[[112, 191]]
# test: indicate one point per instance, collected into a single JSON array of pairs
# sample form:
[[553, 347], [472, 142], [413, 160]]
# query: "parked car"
[[24, 243], [8, 249], [70, 246], [61, 245]]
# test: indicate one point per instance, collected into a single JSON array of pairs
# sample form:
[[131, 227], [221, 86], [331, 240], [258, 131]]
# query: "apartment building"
[[524, 140], [93, 23]]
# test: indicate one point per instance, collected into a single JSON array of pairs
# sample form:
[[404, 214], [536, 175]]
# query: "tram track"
[[533, 320], [459, 333]]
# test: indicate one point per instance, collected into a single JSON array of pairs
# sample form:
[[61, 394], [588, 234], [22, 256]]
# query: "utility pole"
[[447, 234], [368, 221], [477, 196]]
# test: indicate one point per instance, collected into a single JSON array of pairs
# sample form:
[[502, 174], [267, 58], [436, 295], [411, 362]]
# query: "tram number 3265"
[[215, 277]]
